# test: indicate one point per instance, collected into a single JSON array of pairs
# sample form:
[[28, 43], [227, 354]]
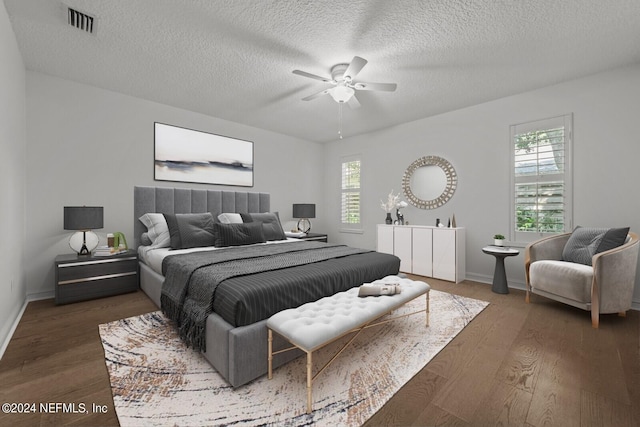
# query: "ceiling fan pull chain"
[[340, 120]]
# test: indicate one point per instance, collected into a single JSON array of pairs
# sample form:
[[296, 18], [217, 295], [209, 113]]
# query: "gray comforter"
[[250, 283]]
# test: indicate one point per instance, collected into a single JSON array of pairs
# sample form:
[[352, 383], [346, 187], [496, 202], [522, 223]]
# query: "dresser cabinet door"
[[402, 247], [422, 251], [385, 239], [444, 254]]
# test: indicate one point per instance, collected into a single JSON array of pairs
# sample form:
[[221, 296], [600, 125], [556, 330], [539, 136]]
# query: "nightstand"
[[314, 236], [82, 278]]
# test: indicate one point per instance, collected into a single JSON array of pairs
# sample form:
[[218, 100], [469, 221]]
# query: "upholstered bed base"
[[239, 354]]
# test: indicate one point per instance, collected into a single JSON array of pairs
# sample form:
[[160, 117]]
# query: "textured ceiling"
[[234, 59]]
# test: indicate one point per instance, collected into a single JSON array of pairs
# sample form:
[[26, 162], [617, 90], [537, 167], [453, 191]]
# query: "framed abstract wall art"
[[187, 155]]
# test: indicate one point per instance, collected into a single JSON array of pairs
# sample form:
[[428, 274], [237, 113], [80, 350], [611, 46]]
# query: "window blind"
[[350, 215], [541, 178]]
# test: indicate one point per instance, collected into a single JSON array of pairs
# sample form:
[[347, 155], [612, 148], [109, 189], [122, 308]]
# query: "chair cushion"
[[566, 279], [585, 242]]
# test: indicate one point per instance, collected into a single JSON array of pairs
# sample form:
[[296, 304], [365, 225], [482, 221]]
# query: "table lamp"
[[83, 219], [304, 211]]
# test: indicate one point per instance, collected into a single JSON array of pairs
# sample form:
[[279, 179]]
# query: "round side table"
[[499, 275]]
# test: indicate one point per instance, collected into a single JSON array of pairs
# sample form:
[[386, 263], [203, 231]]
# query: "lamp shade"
[[83, 217], [304, 210]]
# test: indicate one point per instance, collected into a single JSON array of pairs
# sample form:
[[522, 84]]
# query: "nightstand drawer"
[[98, 288], [83, 271], [84, 278]]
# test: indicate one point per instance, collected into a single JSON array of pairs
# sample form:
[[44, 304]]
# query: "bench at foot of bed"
[[316, 324]]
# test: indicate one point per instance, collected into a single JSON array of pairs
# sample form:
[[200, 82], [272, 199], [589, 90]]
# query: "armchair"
[[604, 287]]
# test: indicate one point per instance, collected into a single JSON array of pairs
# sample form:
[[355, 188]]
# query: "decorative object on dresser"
[[429, 182], [79, 279], [400, 217], [302, 212], [429, 251], [83, 219], [393, 202]]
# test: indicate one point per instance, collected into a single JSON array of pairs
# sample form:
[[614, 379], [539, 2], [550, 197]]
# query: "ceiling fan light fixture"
[[341, 93]]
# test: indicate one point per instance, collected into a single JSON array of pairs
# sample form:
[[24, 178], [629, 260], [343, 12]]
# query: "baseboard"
[[31, 297], [518, 284], [12, 330], [41, 295]]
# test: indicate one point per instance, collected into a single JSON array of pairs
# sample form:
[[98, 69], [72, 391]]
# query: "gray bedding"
[[245, 285]]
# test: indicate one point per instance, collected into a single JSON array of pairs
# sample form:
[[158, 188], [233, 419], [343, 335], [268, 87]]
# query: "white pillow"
[[230, 218], [157, 229]]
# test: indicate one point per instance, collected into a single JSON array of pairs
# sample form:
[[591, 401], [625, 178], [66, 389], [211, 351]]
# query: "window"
[[541, 184], [350, 194]]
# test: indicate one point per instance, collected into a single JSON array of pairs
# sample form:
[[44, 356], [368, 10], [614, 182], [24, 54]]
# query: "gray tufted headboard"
[[187, 200]]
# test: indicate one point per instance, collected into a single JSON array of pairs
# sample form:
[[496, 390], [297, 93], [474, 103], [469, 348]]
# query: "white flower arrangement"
[[391, 203]]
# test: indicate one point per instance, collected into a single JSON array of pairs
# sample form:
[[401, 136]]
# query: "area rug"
[[157, 380]]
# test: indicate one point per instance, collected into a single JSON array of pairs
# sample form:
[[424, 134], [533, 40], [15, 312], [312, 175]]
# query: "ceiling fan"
[[344, 86]]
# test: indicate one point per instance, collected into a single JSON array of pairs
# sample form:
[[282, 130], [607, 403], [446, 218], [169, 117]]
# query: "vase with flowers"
[[389, 205], [393, 202]]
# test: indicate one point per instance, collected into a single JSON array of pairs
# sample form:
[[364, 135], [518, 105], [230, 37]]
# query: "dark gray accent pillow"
[[237, 234], [613, 238], [585, 242], [270, 224], [190, 230]]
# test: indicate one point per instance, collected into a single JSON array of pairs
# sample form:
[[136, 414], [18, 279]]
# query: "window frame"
[[566, 121], [350, 227]]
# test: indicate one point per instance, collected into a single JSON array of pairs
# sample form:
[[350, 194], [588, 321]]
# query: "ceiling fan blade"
[[316, 95], [387, 87], [312, 76], [354, 68], [353, 103]]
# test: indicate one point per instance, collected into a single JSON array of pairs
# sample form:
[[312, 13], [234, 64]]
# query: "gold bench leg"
[[270, 353], [309, 382], [358, 330], [427, 307]]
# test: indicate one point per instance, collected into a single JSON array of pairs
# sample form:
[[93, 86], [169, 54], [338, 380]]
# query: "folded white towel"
[[369, 289]]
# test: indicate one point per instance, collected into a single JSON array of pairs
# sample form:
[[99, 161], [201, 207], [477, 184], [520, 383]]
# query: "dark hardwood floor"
[[515, 364]]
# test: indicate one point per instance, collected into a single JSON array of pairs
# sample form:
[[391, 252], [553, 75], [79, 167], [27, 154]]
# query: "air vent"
[[80, 20]]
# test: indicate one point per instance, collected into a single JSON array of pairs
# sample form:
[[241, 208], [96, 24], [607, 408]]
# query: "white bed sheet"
[[153, 256]]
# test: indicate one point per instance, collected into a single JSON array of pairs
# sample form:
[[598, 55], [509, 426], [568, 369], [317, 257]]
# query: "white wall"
[[476, 141], [88, 146], [12, 173]]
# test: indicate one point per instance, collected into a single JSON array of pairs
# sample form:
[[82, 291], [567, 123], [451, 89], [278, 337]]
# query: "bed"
[[234, 340]]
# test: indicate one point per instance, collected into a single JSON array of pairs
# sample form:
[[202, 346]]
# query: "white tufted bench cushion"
[[317, 323]]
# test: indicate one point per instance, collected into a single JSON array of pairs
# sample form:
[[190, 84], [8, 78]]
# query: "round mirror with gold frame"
[[429, 182]]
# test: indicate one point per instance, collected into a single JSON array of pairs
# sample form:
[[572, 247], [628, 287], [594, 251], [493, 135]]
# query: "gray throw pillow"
[[190, 230], [585, 242], [613, 238], [237, 234], [270, 224]]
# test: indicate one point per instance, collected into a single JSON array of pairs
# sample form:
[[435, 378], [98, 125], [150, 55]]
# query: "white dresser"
[[424, 250]]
